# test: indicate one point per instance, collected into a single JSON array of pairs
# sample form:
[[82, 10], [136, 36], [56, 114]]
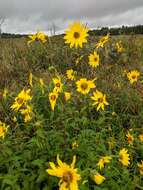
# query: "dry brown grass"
[[17, 59]]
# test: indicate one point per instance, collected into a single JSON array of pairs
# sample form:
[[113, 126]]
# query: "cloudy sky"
[[25, 16]]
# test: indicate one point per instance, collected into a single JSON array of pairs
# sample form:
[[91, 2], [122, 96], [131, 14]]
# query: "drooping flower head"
[[84, 85], [76, 35], [70, 74], [103, 41], [141, 137], [140, 165], [52, 99], [98, 178], [119, 47], [93, 59], [130, 138], [124, 157], [78, 59], [67, 96], [103, 161], [5, 93], [3, 129], [14, 119], [41, 81], [99, 100], [31, 79], [68, 174]]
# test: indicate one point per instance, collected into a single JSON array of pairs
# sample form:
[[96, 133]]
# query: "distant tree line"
[[124, 30], [9, 35]]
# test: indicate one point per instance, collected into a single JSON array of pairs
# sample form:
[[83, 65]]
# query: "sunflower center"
[[76, 35], [100, 100], [102, 40], [84, 86], [36, 39], [95, 59], [58, 85], [53, 97], [130, 139], [67, 177], [134, 77], [20, 101]]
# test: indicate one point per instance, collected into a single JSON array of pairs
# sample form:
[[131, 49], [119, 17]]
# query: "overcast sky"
[[25, 16]]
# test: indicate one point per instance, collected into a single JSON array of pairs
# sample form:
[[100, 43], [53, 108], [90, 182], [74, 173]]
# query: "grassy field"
[[108, 143]]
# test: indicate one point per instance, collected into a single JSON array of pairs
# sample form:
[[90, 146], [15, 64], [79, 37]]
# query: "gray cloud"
[[32, 15]]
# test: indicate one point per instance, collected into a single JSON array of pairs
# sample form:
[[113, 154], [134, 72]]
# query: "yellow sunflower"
[[76, 35], [140, 165], [141, 137], [111, 143], [42, 37], [52, 99], [100, 100], [133, 76], [124, 157], [130, 138], [14, 119], [119, 47], [70, 74], [102, 41], [58, 84], [67, 96], [27, 113], [94, 59], [103, 161], [32, 38], [78, 59], [75, 145], [41, 81], [3, 129], [39, 36], [5, 93], [84, 85], [21, 99], [68, 174], [98, 178]]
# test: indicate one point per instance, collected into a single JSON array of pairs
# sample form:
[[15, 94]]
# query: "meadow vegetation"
[[71, 112]]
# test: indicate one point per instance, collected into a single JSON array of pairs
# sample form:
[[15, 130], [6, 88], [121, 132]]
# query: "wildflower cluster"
[[21, 104]]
